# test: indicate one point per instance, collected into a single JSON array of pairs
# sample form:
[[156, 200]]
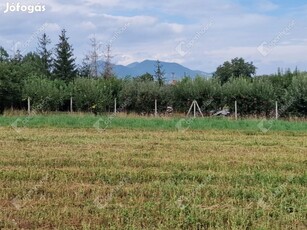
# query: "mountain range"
[[173, 71]]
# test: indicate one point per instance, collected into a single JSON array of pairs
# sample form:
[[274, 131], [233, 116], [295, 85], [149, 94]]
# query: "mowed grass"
[[123, 178]]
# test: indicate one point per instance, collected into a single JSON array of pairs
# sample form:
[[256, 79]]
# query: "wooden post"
[[194, 108], [29, 105], [199, 110], [71, 109], [115, 104], [156, 107], [236, 110], [276, 110]]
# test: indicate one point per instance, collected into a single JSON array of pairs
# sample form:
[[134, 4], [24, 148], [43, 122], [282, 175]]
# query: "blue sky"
[[200, 34]]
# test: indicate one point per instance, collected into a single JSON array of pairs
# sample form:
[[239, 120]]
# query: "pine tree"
[[17, 57], [159, 73], [85, 69], [4, 56], [45, 54], [64, 64]]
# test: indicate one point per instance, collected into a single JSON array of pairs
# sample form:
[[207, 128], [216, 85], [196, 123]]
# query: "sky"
[[199, 34]]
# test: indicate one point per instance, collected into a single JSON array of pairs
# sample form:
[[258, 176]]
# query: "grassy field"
[[57, 176], [151, 123]]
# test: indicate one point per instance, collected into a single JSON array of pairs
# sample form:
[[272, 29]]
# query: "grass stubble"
[[70, 178]]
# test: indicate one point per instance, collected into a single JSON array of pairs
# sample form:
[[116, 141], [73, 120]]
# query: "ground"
[[121, 178]]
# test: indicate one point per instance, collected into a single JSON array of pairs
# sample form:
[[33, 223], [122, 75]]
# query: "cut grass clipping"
[[151, 178]]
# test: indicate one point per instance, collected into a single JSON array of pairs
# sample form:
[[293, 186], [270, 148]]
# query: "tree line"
[[50, 77]]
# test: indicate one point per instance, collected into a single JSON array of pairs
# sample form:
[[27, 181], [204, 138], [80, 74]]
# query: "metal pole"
[[115, 104], [236, 110], [71, 110], [276, 110], [156, 107], [29, 105]]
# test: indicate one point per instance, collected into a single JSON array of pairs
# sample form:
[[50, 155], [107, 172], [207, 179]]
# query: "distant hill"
[[173, 71]]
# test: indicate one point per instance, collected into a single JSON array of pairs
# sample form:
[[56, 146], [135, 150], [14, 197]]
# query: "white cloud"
[[175, 27], [87, 25], [265, 5], [156, 28], [52, 27], [103, 3]]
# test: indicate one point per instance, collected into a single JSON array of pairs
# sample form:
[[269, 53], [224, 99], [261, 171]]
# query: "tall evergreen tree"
[[159, 73], [45, 54], [17, 57], [4, 56], [64, 63], [84, 70]]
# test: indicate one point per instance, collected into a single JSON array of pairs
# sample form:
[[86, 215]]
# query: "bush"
[[45, 94], [254, 97], [296, 103]]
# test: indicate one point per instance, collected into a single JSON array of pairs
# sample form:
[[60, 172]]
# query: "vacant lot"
[[70, 178]]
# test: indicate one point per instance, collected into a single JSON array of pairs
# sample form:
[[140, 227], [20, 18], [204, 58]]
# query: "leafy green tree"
[[159, 73], [207, 92], [45, 94], [11, 84], [253, 97], [64, 64], [234, 69], [90, 94], [296, 104], [31, 65], [45, 54]]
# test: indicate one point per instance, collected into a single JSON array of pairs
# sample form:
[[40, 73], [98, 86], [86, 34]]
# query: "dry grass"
[[53, 178]]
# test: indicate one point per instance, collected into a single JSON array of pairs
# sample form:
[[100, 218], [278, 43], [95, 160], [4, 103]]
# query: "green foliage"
[[93, 95], [45, 95], [4, 56], [145, 77], [27, 76], [159, 73], [31, 65], [140, 95], [234, 69], [207, 92], [11, 84], [85, 69], [64, 64], [297, 102], [45, 54], [253, 97]]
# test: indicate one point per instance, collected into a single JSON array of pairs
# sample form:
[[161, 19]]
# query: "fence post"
[[29, 105], [156, 107], [276, 110], [236, 110], [71, 109], [115, 104]]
